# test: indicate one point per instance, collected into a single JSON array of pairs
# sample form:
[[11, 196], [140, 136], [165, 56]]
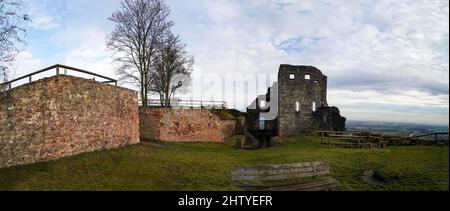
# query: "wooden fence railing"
[[58, 68], [435, 136], [362, 139], [352, 139], [191, 103]]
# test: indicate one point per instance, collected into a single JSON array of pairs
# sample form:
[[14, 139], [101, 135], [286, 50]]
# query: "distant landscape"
[[395, 129]]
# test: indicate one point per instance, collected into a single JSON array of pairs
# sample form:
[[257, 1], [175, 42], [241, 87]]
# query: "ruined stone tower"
[[301, 91], [301, 98]]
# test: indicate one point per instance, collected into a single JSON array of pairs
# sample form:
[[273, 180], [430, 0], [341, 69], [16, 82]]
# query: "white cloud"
[[41, 16], [86, 49], [221, 11], [24, 64], [43, 22], [406, 98]]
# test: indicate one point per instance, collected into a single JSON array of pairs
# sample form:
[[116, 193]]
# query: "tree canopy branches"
[[11, 32], [142, 32], [172, 60]]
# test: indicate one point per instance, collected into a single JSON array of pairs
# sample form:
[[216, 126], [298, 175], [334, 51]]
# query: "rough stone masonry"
[[302, 105], [185, 125], [301, 90], [63, 116]]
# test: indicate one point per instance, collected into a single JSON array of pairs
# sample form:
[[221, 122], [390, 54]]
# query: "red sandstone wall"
[[184, 125], [62, 116]]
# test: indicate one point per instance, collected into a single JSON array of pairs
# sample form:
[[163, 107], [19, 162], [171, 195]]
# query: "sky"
[[386, 60]]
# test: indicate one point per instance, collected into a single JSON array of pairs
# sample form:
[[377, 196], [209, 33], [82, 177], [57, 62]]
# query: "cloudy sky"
[[386, 60]]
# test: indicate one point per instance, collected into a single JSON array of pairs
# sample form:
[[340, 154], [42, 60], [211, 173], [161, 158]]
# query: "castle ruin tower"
[[302, 90]]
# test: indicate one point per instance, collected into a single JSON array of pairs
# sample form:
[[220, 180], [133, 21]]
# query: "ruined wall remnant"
[[62, 116], [330, 119], [184, 125]]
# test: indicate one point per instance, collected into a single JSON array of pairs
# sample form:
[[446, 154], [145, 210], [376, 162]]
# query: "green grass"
[[223, 114], [204, 166]]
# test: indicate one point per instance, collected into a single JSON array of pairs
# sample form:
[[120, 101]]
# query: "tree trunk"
[[167, 100], [144, 102], [161, 99]]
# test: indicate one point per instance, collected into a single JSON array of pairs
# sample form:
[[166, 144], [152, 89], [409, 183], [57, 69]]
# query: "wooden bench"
[[345, 139], [264, 173]]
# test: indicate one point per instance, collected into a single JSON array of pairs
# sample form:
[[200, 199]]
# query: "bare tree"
[[140, 24], [11, 33], [173, 67]]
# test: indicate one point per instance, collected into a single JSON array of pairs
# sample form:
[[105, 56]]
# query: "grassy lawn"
[[200, 166]]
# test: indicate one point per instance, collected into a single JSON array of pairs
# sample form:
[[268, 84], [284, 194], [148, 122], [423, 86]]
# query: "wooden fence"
[[59, 69], [425, 139], [191, 104], [359, 139], [352, 139]]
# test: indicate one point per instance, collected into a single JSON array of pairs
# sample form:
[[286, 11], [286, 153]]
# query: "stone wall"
[[330, 119], [184, 125], [63, 116], [302, 105], [294, 87]]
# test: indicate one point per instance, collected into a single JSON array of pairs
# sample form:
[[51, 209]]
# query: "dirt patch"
[[371, 177]]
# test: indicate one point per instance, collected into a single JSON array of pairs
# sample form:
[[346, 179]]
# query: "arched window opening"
[[307, 77]]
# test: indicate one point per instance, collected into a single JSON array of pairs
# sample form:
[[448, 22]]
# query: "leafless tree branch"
[[11, 33], [171, 60], [140, 24]]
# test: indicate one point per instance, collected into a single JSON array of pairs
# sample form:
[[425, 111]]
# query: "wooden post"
[[57, 70], [29, 79], [381, 141], [329, 141], [321, 137]]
